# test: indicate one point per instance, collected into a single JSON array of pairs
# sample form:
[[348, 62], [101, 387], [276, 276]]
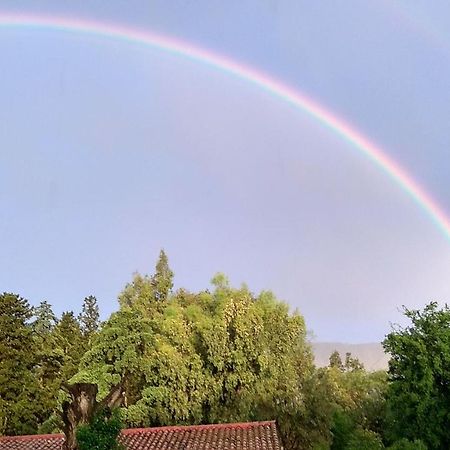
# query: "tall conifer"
[[163, 278], [90, 317]]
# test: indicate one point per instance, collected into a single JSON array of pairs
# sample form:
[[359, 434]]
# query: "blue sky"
[[110, 151]]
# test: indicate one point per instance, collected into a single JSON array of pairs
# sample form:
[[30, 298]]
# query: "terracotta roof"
[[234, 436]]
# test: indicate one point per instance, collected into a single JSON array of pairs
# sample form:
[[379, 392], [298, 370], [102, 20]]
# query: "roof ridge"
[[238, 425], [28, 437], [137, 431]]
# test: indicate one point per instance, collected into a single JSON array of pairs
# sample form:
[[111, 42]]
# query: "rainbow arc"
[[269, 84]]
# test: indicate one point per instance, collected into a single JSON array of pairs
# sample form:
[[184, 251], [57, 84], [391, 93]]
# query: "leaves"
[[89, 318], [22, 404], [102, 432], [223, 355], [419, 374]]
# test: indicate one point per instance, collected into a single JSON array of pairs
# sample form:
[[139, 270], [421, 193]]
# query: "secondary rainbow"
[[249, 74]]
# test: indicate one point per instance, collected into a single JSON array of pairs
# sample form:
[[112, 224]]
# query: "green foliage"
[[362, 439], [218, 356], [37, 353], [405, 444], [225, 355], [220, 282], [336, 361], [118, 349], [352, 364], [89, 317], [305, 421], [15, 333], [102, 432], [70, 343], [163, 279], [419, 374], [149, 293], [342, 429], [21, 403], [359, 399], [49, 358], [138, 294], [44, 320]]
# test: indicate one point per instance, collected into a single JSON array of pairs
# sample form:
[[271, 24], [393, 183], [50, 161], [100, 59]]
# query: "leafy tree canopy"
[[419, 374]]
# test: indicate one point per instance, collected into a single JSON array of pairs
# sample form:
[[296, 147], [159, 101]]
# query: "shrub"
[[101, 433], [405, 444]]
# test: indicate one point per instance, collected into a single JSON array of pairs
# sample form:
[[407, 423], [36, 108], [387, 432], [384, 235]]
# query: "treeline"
[[223, 355], [38, 352]]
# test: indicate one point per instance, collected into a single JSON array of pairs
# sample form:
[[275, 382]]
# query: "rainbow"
[[255, 77]]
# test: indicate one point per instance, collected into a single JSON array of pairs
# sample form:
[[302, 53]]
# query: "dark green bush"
[[405, 444], [102, 432]]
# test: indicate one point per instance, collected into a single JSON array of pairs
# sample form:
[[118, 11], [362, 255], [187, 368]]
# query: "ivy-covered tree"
[[87, 419]]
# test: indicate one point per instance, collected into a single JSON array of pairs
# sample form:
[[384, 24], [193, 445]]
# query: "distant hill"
[[371, 355]]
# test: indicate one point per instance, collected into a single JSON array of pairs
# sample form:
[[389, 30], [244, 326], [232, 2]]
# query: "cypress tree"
[[20, 402], [71, 344], [90, 317], [163, 278]]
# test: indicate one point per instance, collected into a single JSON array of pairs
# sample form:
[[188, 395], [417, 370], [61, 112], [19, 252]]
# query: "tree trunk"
[[83, 406]]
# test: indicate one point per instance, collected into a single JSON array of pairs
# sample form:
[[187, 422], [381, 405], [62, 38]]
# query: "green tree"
[[149, 293], [359, 405], [362, 439], [89, 317], [162, 280], [175, 385], [305, 420], [419, 374], [225, 355], [117, 350], [138, 294], [21, 408], [44, 320], [49, 359], [336, 361], [352, 364], [70, 343]]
